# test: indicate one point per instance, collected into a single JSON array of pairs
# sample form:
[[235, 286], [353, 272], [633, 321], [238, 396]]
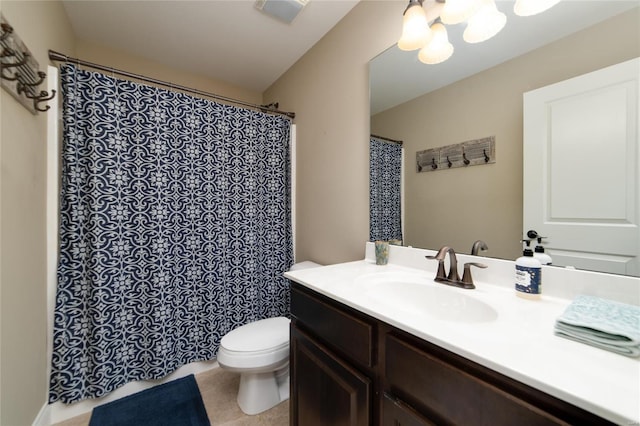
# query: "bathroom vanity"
[[364, 355]]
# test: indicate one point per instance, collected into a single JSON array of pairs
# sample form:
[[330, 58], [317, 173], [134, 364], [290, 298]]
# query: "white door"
[[582, 169]]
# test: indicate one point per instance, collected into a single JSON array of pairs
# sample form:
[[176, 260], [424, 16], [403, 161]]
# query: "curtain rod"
[[56, 56], [386, 139]]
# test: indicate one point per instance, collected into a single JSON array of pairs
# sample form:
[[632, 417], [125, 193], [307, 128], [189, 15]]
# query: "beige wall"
[[329, 91], [23, 295], [455, 207], [96, 53]]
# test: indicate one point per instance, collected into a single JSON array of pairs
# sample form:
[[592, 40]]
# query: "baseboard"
[[44, 416]]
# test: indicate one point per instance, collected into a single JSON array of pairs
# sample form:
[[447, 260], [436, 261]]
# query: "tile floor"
[[219, 389]]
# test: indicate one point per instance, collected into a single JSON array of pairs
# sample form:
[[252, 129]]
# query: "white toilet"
[[259, 351]]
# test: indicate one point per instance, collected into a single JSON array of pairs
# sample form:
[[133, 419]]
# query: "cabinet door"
[[397, 413], [325, 390]]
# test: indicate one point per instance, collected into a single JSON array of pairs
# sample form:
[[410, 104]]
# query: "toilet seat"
[[284, 345], [258, 335], [253, 361], [261, 344]]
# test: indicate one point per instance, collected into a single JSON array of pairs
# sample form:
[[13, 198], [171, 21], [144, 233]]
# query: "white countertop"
[[519, 344]]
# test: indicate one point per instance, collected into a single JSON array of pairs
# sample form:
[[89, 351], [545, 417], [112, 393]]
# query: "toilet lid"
[[258, 336]]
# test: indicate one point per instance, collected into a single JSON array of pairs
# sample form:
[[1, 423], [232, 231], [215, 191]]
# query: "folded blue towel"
[[606, 324]]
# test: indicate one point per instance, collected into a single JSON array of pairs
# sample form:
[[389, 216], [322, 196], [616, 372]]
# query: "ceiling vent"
[[284, 10]]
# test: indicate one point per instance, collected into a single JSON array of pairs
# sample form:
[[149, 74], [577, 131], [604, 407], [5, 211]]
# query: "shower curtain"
[[175, 228], [385, 187]]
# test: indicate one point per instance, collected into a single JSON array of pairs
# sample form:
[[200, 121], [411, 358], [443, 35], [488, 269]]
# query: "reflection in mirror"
[[478, 93], [385, 189]]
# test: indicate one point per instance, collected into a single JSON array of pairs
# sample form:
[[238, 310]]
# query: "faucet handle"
[[467, 280], [441, 275]]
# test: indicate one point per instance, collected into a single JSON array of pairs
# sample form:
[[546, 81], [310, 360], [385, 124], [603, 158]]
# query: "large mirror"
[[478, 93]]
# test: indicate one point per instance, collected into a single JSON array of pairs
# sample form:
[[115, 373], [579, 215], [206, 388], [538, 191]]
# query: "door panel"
[[582, 168]]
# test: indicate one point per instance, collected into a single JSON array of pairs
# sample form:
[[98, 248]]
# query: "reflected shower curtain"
[[174, 229], [385, 187]]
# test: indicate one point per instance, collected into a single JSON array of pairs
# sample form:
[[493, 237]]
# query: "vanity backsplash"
[[561, 282]]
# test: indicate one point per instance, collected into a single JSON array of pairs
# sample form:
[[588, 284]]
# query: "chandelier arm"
[[413, 3]]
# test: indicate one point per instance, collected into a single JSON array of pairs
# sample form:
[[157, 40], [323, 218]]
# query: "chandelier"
[[483, 18]]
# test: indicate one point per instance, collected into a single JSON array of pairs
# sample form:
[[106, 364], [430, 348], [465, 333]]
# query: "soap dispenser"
[[539, 252], [528, 274]]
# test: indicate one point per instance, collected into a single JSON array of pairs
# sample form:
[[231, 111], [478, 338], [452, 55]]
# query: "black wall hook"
[[6, 31], [473, 152], [23, 85], [42, 97], [19, 71], [10, 53]]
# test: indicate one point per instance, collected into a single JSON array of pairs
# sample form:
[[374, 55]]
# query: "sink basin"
[[419, 295]]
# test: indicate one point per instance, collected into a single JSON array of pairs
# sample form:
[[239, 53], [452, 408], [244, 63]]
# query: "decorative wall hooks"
[[19, 71], [470, 153]]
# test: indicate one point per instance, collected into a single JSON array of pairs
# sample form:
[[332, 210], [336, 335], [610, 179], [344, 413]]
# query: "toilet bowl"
[[259, 351]]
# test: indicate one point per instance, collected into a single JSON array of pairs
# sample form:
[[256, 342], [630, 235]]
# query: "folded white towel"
[[606, 324]]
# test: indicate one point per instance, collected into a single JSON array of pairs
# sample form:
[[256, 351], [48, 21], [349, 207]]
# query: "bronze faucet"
[[453, 279], [477, 246]]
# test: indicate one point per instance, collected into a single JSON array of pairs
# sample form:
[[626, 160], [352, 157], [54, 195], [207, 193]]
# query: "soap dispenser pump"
[[539, 252], [528, 274]]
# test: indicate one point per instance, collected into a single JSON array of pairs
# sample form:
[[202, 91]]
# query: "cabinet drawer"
[[347, 334], [449, 395]]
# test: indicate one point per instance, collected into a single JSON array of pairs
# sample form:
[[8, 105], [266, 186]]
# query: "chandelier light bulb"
[[438, 49], [485, 23], [415, 28], [456, 11], [532, 7]]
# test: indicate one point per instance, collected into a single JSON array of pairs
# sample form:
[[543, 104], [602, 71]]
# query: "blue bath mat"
[[177, 403]]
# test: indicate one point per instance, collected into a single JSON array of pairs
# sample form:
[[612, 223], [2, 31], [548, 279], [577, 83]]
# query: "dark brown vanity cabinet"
[[397, 413], [348, 368], [327, 390], [331, 363]]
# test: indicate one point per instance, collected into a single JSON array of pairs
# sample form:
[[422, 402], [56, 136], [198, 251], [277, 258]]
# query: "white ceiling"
[[232, 41], [397, 76], [228, 40]]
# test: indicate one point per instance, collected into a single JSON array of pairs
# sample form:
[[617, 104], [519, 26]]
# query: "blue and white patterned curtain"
[[385, 177], [174, 229]]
